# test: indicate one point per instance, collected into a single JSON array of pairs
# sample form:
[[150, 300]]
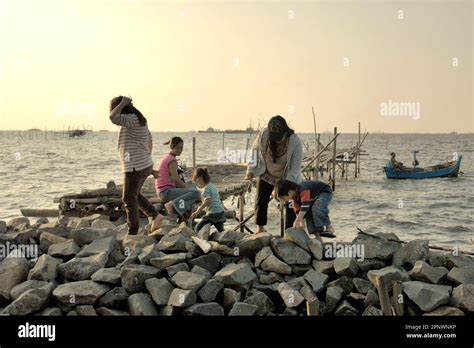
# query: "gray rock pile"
[[90, 266]]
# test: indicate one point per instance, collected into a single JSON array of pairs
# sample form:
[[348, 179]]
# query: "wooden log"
[[382, 289], [397, 298], [37, 212], [89, 208], [319, 153], [312, 307], [103, 208], [334, 161]]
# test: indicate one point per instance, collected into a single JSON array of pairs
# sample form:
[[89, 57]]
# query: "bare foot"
[[260, 229], [169, 209], [330, 228], [156, 224]]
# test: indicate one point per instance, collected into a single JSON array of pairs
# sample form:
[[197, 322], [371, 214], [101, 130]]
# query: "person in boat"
[[310, 200], [394, 162], [211, 201], [279, 154], [135, 145], [177, 196]]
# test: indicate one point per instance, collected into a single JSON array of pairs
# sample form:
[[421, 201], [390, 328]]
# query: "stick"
[[320, 152], [334, 161], [312, 307], [383, 296], [397, 292]]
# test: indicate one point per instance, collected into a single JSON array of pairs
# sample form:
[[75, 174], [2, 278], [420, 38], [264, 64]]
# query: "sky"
[[395, 66]]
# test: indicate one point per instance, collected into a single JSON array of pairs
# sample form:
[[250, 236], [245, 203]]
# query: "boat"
[[446, 169]]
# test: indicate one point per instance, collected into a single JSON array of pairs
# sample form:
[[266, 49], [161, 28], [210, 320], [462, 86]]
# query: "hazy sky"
[[191, 65]]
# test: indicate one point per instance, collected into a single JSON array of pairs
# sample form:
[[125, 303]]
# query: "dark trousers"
[[264, 192], [134, 200], [216, 219]]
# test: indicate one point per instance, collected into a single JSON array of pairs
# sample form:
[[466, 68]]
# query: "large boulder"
[[211, 262], [262, 301], [141, 305], [165, 261], [134, 276], [65, 250], [262, 255], [182, 298], [427, 296], [334, 295], [13, 223], [445, 311], [205, 309], [380, 246], [210, 290], [160, 290], [289, 252], [115, 298], [463, 297], [149, 252], [13, 271], [464, 275], [30, 301], [84, 292], [87, 235], [290, 295], [252, 244], [346, 266], [274, 264], [46, 268], [82, 268], [298, 236], [103, 245], [243, 309], [316, 280], [316, 248], [235, 274], [107, 275], [389, 274], [21, 288], [188, 280], [48, 239], [423, 272], [411, 252]]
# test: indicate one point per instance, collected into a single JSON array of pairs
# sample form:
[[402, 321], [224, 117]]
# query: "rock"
[[202, 244], [23, 237], [316, 248], [58, 231], [459, 261], [372, 311], [423, 272], [316, 280], [362, 285], [436, 259], [201, 271], [345, 309], [160, 290], [108, 312], [100, 223], [141, 305], [235, 274], [21, 288], [370, 264], [390, 274], [262, 301], [229, 298], [298, 236], [115, 298], [445, 311], [299, 270], [346, 266], [289, 252], [46, 268], [98, 246], [3, 226], [262, 255], [427, 296], [169, 310], [134, 276], [377, 248], [50, 312], [210, 290], [223, 249], [12, 224], [344, 282], [464, 275], [91, 218], [182, 298], [411, 252], [252, 244], [273, 264], [163, 262], [65, 250], [371, 299], [207, 309], [136, 242], [82, 268], [205, 232], [211, 262], [326, 267], [463, 297], [172, 270], [188, 280], [290, 296], [131, 258], [243, 309], [333, 297], [30, 301], [308, 293], [87, 235], [107, 275], [356, 299], [84, 292], [13, 271], [175, 240], [48, 239], [149, 252], [85, 311], [229, 238]]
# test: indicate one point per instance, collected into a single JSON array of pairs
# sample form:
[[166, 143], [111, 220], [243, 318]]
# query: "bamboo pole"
[[316, 144], [317, 160], [319, 153], [194, 153], [358, 152], [333, 177]]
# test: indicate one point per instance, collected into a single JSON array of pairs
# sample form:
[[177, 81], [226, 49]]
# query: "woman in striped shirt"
[[135, 145]]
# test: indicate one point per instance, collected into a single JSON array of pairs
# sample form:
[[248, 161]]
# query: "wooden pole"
[[223, 141], [383, 296], [333, 176], [194, 153], [397, 299], [316, 144], [319, 153], [241, 209], [358, 152], [316, 165], [282, 221], [312, 307]]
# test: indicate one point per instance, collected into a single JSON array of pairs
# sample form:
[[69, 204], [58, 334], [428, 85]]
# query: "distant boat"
[[34, 130], [447, 169], [453, 133], [229, 131], [77, 133], [103, 130]]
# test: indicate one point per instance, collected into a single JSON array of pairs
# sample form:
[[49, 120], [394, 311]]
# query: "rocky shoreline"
[[90, 266]]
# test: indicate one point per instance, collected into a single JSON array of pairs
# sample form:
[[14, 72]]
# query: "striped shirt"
[[133, 143]]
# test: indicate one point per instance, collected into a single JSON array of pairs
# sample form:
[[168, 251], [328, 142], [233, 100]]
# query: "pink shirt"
[[164, 181]]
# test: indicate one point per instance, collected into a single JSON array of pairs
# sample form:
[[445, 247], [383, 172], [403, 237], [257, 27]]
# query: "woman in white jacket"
[[279, 154]]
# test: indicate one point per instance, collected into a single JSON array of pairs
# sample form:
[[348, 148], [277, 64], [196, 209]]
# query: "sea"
[[36, 166]]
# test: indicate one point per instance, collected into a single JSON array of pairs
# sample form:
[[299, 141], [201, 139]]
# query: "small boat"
[[446, 169]]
